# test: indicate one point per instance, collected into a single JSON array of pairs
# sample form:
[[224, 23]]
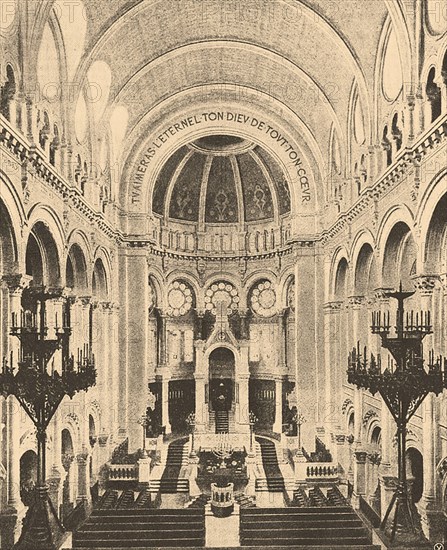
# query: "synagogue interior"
[[223, 274]]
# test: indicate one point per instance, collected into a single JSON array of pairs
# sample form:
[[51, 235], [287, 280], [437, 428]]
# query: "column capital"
[[82, 458], [83, 300], [380, 294], [355, 302], [16, 282], [360, 456], [425, 284], [332, 307], [374, 458]]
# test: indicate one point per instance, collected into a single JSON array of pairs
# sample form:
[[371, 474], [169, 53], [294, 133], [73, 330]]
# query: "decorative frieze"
[[368, 416], [346, 404]]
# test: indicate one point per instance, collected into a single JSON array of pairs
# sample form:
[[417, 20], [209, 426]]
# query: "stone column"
[[333, 378], [242, 376], [81, 336], [15, 284], [200, 376], [83, 478], [388, 486], [355, 305], [115, 379], [338, 450], [163, 359], [244, 411], [387, 422], [57, 473], [165, 403], [201, 419], [429, 502], [277, 426], [359, 477], [108, 368], [373, 479]]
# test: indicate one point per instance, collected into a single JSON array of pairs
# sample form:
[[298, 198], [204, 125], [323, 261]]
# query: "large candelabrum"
[[403, 384], [39, 386], [223, 449]]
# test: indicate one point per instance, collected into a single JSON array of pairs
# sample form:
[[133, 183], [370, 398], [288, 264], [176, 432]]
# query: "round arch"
[[43, 261], [399, 257], [100, 281], [365, 271], [76, 272]]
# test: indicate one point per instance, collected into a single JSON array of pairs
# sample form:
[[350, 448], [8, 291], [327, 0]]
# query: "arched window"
[[396, 131], [84, 177], [54, 146], [78, 170], [8, 92], [386, 145], [44, 131], [433, 94]]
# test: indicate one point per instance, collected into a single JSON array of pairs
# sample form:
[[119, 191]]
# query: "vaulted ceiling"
[[296, 62]]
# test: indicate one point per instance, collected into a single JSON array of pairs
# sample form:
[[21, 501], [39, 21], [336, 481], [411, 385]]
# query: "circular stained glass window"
[[180, 299], [263, 299], [221, 293]]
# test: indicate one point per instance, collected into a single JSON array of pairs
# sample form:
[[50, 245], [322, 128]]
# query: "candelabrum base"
[[402, 524], [42, 529]]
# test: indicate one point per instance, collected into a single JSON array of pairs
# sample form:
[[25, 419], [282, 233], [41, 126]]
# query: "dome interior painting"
[[221, 179]]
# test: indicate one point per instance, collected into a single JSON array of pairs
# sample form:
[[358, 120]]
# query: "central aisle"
[[221, 532]]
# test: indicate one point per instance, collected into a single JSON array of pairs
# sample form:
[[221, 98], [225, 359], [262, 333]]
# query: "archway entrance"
[[221, 389], [415, 471], [28, 476]]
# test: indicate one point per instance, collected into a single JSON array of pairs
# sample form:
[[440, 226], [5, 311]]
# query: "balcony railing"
[[316, 471]]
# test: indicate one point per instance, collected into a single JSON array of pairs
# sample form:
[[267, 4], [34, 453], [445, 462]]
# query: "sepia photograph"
[[223, 274]]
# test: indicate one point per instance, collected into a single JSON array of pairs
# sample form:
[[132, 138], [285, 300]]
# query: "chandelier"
[[39, 387], [403, 384]]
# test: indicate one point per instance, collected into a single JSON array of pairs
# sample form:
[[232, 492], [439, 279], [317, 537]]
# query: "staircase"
[[274, 480], [222, 422], [300, 498], [323, 528], [244, 501], [317, 498], [199, 502], [170, 481], [138, 529]]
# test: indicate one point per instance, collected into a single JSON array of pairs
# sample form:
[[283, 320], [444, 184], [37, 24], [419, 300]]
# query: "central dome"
[[221, 179]]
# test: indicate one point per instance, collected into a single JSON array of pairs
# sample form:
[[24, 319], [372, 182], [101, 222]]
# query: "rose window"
[[180, 299], [263, 299], [222, 292]]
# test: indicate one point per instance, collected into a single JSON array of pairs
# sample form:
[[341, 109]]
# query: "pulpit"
[[222, 499]]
